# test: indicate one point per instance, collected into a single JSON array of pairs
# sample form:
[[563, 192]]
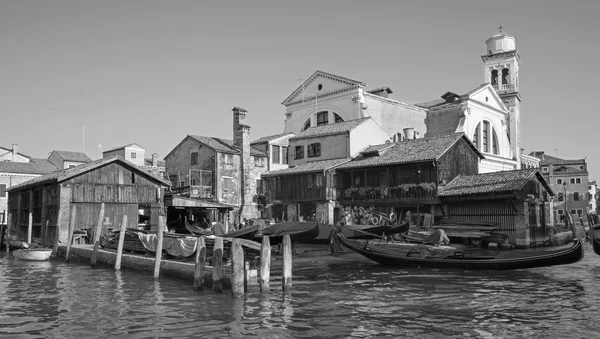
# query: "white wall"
[[366, 134]]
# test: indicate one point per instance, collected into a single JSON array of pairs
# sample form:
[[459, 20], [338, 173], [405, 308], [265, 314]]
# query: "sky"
[[93, 75]]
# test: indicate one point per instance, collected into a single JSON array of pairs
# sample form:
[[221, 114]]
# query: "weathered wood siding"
[[300, 187], [459, 159], [87, 215], [503, 213]]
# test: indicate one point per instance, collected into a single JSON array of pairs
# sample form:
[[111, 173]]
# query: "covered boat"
[[299, 232], [419, 255], [33, 254], [197, 229]]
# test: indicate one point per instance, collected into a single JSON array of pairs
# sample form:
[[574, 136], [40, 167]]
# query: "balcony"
[[194, 191], [504, 88], [424, 193]]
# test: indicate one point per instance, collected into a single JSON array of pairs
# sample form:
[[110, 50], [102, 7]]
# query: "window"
[[560, 196], [2, 191], [560, 212], [559, 181], [578, 180], [259, 161], [299, 152], [306, 124], [314, 150], [544, 169], [576, 196], [284, 156], [322, 118], [259, 189], [337, 118], [494, 142], [227, 159], [309, 180], [193, 182], [275, 154], [581, 167], [319, 180], [194, 160], [133, 155], [573, 211], [484, 132], [227, 185], [71, 166], [572, 180], [579, 211], [476, 135]]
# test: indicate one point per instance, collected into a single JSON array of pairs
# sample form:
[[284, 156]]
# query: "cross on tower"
[[500, 29]]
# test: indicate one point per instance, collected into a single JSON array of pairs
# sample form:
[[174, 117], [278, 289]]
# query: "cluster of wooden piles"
[[132, 242]]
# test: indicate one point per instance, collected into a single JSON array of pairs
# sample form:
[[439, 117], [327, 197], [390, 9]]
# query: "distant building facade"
[[569, 180], [68, 159], [136, 154], [592, 197]]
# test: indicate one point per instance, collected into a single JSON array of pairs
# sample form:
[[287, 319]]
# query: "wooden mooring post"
[[45, 233], [56, 240], [1, 234], [159, 245], [121, 241], [265, 265], [217, 258], [97, 234], [8, 221], [29, 226], [70, 234], [286, 276], [237, 267], [200, 266]]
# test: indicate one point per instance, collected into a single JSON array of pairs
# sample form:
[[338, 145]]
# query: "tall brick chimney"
[[241, 140], [154, 159], [15, 150]]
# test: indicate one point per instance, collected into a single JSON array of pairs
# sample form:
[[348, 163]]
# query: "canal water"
[[363, 300]]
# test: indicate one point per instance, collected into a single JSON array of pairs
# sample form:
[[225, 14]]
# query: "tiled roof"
[[34, 166], [442, 103], [224, 145], [376, 148], [65, 174], [410, 151], [569, 170], [5, 150], [268, 138], [550, 160], [313, 166], [495, 182], [121, 147], [148, 162], [331, 129], [73, 156]]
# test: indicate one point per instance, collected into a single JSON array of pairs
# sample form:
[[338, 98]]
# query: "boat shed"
[[123, 187], [517, 203]]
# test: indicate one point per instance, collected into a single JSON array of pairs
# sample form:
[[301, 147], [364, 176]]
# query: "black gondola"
[[389, 255], [196, 229], [595, 240], [248, 232], [380, 231], [298, 231]]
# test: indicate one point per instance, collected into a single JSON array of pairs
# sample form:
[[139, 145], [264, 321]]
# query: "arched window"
[[322, 118], [575, 196], [494, 142], [505, 76], [560, 196], [306, 124], [494, 77], [337, 118], [476, 135], [484, 136]]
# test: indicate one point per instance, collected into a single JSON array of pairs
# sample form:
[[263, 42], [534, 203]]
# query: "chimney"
[[241, 140], [154, 159], [409, 133], [15, 149]]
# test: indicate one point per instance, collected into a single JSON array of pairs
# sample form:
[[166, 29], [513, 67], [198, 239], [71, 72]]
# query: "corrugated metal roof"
[[35, 166], [331, 129], [495, 182], [65, 174], [410, 151], [313, 166]]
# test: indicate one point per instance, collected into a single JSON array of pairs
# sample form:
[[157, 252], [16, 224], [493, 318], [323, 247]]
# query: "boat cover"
[[175, 246]]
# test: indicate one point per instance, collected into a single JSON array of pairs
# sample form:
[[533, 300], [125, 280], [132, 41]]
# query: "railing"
[[299, 194], [504, 87], [388, 194], [194, 191]]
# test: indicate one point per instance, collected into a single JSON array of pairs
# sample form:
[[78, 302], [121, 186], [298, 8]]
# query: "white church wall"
[[366, 134]]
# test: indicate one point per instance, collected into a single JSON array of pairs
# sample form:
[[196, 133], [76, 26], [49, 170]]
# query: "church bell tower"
[[501, 69]]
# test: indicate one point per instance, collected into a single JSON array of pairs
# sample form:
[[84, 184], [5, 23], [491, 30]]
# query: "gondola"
[[379, 231], [298, 231], [195, 229], [425, 256], [248, 232], [594, 238]]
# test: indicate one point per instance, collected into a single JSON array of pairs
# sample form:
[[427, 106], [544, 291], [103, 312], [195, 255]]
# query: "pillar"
[[522, 235]]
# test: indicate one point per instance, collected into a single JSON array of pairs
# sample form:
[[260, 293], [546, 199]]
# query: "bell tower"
[[501, 63]]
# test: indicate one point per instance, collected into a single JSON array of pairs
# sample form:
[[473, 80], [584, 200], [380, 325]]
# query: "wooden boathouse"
[[517, 202], [123, 188]]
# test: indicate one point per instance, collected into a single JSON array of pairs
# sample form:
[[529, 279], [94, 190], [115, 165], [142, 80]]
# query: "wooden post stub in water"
[[237, 267], [121, 241], [1, 234], [45, 233], [159, 245], [200, 267], [217, 260], [70, 233], [265, 265], [97, 234], [29, 226], [286, 277], [56, 239], [8, 221]]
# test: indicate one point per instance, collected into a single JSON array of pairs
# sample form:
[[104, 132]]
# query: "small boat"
[[298, 231], [594, 238], [379, 231], [248, 232], [196, 229], [33, 254], [430, 256]]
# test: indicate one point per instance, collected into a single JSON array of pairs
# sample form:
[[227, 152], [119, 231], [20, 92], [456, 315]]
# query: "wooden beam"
[[120, 244], [159, 245], [71, 230], [265, 265], [237, 267], [200, 264], [287, 264]]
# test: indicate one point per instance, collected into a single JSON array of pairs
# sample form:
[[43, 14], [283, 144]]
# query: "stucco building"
[[136, 154], [68, 159]]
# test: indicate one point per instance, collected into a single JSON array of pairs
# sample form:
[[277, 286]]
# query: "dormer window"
[[133, 155]]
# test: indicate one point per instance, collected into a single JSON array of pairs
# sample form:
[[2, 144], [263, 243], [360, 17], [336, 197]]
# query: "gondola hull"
[[595, 239], [298, 232], [244, 233], [35, 254], [512, 261]]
